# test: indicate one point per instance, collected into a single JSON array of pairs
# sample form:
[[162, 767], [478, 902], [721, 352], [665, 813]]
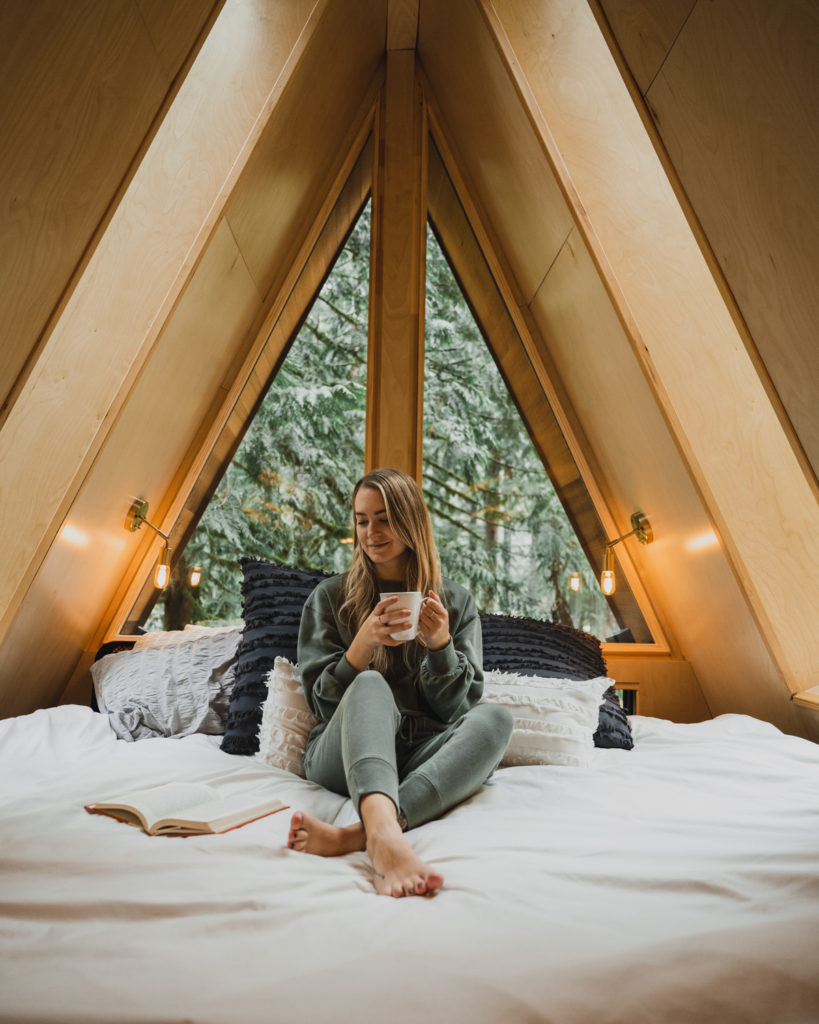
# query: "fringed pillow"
[[286, 720], [555, 719], [273, 598]]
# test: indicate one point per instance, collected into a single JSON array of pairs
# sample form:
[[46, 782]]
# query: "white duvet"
[[676, 882]]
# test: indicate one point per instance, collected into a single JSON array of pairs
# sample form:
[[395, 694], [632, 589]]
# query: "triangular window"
[[286, 494], [503, 530]]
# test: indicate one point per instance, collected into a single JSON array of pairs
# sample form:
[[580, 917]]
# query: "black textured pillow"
[[536, 647], [274, 596], [613, 729]]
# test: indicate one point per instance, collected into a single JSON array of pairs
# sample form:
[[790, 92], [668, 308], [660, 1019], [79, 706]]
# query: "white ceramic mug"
[[412, 601]]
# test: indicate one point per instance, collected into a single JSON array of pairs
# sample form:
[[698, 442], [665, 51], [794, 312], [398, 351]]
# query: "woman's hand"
[[433, 623], [375, 632]]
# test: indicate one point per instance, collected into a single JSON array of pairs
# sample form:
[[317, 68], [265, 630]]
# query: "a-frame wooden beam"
[[395, 360]]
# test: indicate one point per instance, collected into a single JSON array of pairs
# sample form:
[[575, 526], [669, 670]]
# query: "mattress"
[[678, 881]]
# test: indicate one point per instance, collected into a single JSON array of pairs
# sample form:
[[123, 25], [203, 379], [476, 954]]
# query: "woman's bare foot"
[[398, 870], [312, 835]]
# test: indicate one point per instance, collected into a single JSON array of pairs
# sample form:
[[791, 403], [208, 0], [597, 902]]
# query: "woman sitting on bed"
[[400, 729]]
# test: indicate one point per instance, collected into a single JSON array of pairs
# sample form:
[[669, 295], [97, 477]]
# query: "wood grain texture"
[[80, 85], [402, 24], [136, 275], [500, 154], [707, 384], [395, 348], [736, 105], [685, 569], [279, 190], [645, 31], [174, 26], [150, 438]]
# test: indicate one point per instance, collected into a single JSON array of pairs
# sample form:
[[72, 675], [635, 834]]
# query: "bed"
[[674, 881]]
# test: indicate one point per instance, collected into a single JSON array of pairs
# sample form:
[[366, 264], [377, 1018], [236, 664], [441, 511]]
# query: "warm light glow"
[[575, 581], [607, 582], [163, 569], [195, 577], [76, 538], [346, 540], [702, 541], [162, 575]]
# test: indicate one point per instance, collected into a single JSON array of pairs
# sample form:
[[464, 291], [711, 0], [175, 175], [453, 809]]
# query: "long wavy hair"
[[409, 520]]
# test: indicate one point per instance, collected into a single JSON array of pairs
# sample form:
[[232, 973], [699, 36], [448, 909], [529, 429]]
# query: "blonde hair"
[[408, 518]]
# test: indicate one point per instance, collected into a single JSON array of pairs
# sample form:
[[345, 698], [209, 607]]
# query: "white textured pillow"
[[172, 687], [555, 719], [286, 720]]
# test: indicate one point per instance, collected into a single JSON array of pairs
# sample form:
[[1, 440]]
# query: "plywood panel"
[[503, 162], [150, 438], [174, 26], [724, 418], [81, 84], [668, 687], [279, 190], [736, 104], [137, 273], [645, 31], [685, 569]]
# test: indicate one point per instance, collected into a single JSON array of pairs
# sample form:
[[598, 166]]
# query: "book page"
[[170, 800]]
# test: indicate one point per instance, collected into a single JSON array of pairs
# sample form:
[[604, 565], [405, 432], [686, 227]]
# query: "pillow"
[[613, 729], [169, 637], [274, 596], [286, 720], [540, 648], [173, 689], [555, 719]]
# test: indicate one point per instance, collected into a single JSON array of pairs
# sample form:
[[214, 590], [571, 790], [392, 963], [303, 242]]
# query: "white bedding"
[[677, 882]]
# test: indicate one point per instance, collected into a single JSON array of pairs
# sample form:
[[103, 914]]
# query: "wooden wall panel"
[[502, 159], [723, 416], [272, 200], [646, 30], [736, 106], [136, 274], [685, 569], [173, 26], [81, 84], [151, 437]]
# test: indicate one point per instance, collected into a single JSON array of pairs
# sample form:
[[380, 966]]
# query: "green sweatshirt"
[[441, 684]]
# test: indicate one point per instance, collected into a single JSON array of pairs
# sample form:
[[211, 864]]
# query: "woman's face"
[[373, 533]]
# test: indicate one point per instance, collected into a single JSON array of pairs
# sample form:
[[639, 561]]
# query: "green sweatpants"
[[425, 766]]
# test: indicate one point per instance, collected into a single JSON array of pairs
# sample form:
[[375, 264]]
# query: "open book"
[[186, 809]]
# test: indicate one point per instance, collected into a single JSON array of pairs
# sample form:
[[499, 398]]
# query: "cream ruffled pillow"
[[555, 719], [286, 720]]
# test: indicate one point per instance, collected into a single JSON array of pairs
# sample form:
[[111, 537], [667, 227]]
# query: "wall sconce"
[[133, 521], [641, 529], [575, 582]]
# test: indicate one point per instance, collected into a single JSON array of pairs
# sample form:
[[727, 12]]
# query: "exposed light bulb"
[[195, 577], [575, 581], [163, 569], [607, 582]]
